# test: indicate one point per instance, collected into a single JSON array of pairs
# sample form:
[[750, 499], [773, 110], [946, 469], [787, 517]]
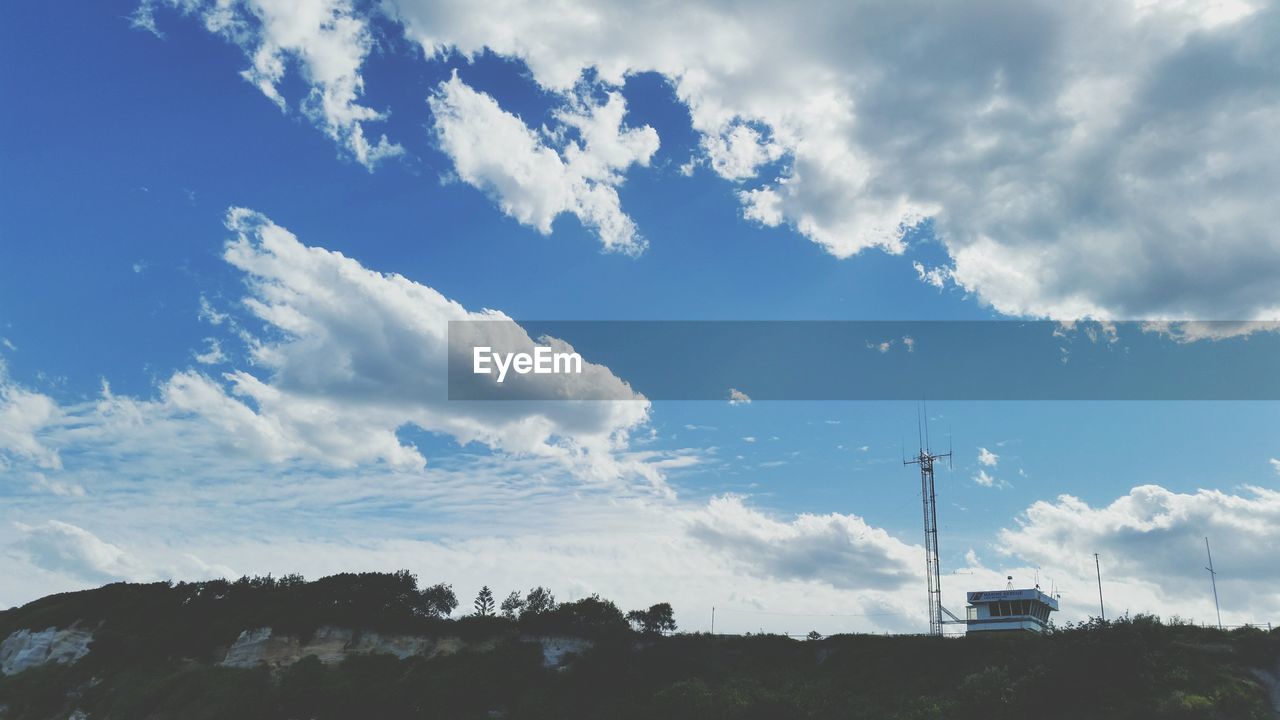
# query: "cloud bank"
[[1098, 159]]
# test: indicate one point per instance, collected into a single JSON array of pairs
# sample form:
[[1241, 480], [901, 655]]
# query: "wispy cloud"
[[987, 458]]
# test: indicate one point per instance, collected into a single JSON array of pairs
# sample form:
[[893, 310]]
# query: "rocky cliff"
[[27, 648]]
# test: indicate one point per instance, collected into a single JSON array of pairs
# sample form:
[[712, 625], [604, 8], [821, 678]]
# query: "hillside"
[[380, 646]]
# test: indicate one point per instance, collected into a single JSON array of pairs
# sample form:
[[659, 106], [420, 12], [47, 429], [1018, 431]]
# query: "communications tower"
[[925, 459]]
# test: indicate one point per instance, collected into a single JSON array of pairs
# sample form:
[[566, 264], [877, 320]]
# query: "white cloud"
[[840, 550], [213, 353], [988, 458], [1070, 163], [936, 277], [56, 487], [1151, 543], [360, 354], [1275, 465], [350, 358], [984, 479], [530, 179], [327, 40], [739, 151], [210, 314], [23, 416], [57, 549], [67, 548], [508, 524], [737, 397]]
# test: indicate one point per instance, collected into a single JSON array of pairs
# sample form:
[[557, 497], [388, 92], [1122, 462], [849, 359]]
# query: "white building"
[[1007, 610]]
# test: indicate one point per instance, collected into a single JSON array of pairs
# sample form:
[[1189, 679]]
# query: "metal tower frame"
[[925, 460], [1213, 576]]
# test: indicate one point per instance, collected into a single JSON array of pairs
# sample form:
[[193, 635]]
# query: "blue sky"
[[132, 131]]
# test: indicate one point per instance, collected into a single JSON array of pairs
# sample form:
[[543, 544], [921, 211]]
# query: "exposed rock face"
[[330, 645], [1270, 680], [26, 648], [555, 649]]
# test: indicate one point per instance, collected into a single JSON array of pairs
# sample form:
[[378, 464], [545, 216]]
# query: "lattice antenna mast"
[[1213, 576], [925, 459]]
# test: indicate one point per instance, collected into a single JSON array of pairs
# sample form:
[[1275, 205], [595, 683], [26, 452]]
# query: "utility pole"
[[1213, 577], [925, 460], [713, 619], [1101, 607]]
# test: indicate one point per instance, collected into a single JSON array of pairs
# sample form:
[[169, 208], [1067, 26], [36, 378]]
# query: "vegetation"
[[484, 602], [156, 650]]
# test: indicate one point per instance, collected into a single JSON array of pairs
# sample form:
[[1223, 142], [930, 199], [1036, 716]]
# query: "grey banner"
[[867, 360]]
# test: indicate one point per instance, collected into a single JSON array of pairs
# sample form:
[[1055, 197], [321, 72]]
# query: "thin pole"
[[713, 619], [1213, 577], [1102, 608]]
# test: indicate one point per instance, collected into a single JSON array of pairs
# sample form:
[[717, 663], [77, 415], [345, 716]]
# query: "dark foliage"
[[155, 648], [659, 619]]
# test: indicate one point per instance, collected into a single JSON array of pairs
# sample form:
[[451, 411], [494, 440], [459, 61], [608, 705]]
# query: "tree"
[[437, 600], [657, 620], [539, 600], [484, 602], [513, 606], [590, 615], [813, 635]]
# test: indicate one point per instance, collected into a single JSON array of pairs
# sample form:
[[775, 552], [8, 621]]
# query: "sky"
[[232, 235]]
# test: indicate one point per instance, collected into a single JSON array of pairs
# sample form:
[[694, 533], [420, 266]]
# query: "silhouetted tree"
[[813, 635], [484, 602], [657, 620], [539, 600], [437, 600], [513, 605]]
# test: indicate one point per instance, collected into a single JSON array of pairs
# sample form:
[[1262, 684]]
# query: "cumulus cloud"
[[469, 520], [23, 415], [1071, 164], [988, 458], [937, 276], [358, 354], [1275, 465], [840, 550], [737, 397], [63, 547], [531, 180], [327, 40], [348, 359], [1151, 541], [986, 479]]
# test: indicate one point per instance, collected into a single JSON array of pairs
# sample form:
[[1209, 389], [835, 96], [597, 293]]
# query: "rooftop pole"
[[1213, 577], [1101, 607]]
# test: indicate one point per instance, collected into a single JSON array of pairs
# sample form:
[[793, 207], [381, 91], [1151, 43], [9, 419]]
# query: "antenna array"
[[925, 459]]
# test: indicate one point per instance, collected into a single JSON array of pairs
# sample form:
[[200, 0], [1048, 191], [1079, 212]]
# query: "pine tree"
[[484, 602]]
